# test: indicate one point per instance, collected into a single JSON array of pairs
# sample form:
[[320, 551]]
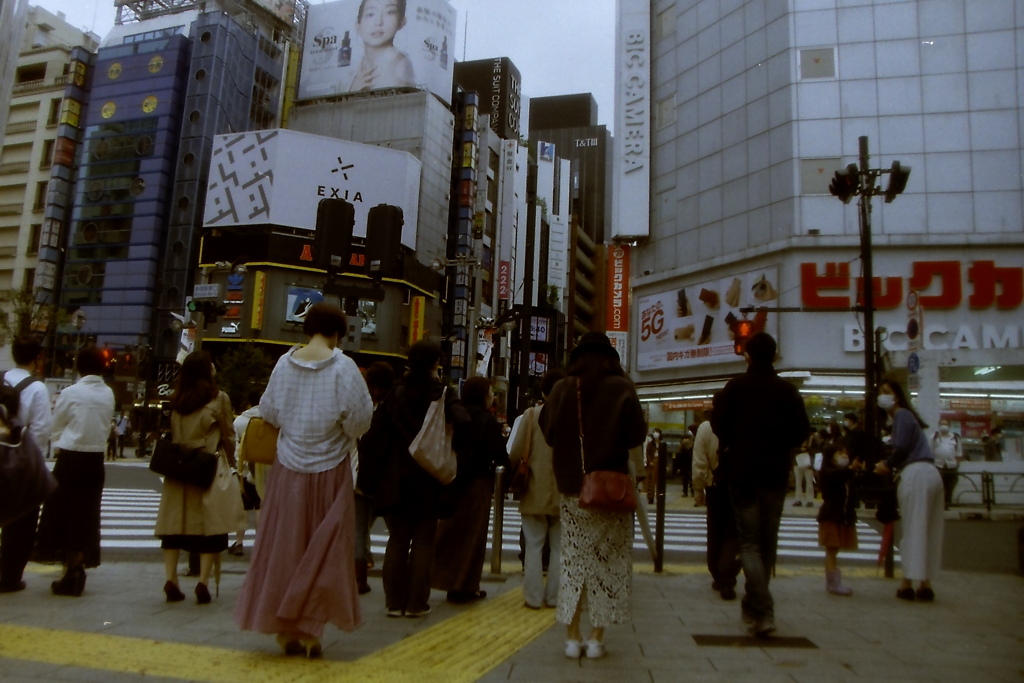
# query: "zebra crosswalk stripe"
[[129, 518]]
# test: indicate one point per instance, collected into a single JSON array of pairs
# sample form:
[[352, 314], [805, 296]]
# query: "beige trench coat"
[[189, 510], [541, 497]]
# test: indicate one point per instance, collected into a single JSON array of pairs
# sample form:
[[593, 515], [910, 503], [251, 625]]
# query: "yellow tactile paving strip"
[[460, 649]]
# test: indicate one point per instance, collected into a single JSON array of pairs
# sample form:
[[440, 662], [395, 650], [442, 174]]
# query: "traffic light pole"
[[866, 181], [861, 181]]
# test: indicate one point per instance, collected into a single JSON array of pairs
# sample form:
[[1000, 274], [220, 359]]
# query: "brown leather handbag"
[[603, 489], [259, 444]]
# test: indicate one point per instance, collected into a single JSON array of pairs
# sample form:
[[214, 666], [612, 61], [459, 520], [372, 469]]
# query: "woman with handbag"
[[591, 420], [405, 494], [302, 572], [461, 541], [193, 518], [69, 527]]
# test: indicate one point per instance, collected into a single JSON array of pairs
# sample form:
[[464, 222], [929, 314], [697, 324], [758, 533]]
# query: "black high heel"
[[202, 594], [172, 592]]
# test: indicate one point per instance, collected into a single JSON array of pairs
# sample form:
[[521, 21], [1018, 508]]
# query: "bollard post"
[[659, 519], [890, 553], [988, 490], [499, 520]]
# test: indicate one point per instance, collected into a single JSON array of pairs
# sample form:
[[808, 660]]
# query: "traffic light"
[[125, 364], [109, 362], [211, 310], [898, 177], [741, 332], [845, 184], [333, 240]]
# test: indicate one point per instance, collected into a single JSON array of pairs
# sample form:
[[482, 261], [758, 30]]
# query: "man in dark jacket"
[[759, 419]]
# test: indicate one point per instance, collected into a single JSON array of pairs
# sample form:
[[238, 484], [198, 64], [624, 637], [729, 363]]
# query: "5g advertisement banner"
[[691, 325], [357, 46]]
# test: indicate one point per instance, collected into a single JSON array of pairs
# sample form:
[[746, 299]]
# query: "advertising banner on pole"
[[417, 319], [617, 289], [354, 46]]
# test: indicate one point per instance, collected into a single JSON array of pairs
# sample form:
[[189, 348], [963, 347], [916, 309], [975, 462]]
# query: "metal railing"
[[986, 487], [10, 209]]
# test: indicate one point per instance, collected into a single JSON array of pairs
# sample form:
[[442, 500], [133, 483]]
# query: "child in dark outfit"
[[837, 518]]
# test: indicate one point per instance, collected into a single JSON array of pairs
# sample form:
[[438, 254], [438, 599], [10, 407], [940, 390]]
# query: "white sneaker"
[[595, 649], [573, 649]]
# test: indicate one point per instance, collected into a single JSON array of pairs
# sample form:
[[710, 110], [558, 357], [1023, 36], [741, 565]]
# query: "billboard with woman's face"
[[363, 45]]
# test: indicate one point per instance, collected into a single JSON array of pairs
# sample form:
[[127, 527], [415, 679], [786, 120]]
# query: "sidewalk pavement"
[[121, 629]]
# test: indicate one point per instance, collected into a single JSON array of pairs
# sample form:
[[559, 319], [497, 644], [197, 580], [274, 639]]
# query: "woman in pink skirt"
[[302, 572]]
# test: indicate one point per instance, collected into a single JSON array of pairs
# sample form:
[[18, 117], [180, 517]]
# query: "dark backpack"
[[25, 480]]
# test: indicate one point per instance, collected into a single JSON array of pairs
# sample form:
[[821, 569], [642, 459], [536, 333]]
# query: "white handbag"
[[432, 447]]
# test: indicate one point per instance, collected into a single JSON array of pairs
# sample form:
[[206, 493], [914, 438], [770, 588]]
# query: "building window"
[[665, 23], [47, 159], [40, 201], [53, 117], [817, 62], [30, 72], [816, 174], [665, 113], [33, 238]]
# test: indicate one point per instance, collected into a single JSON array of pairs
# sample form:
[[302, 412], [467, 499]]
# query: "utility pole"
[[870, 381], [526, 317], [861, 181]]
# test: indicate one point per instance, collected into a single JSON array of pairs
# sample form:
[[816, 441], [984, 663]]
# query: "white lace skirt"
[[597, 564]]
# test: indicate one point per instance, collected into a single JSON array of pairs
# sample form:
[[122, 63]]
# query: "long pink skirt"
[[302, 572]]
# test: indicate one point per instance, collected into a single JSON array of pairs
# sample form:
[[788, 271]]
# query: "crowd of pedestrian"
[[344, 457]]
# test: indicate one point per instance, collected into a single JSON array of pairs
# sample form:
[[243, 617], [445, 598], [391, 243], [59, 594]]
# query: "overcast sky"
[[560, 46]]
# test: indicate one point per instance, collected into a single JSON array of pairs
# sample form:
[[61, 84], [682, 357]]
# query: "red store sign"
[[942, 285]]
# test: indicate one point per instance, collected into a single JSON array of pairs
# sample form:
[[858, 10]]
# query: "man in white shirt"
[[18, 537], [948, 454]]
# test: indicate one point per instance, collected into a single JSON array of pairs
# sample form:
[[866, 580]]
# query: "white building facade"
[[753, 106]]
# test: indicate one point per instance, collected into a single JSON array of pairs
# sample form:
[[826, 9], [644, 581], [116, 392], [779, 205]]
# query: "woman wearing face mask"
[[948, 454], [837, 518], [919, 493]]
